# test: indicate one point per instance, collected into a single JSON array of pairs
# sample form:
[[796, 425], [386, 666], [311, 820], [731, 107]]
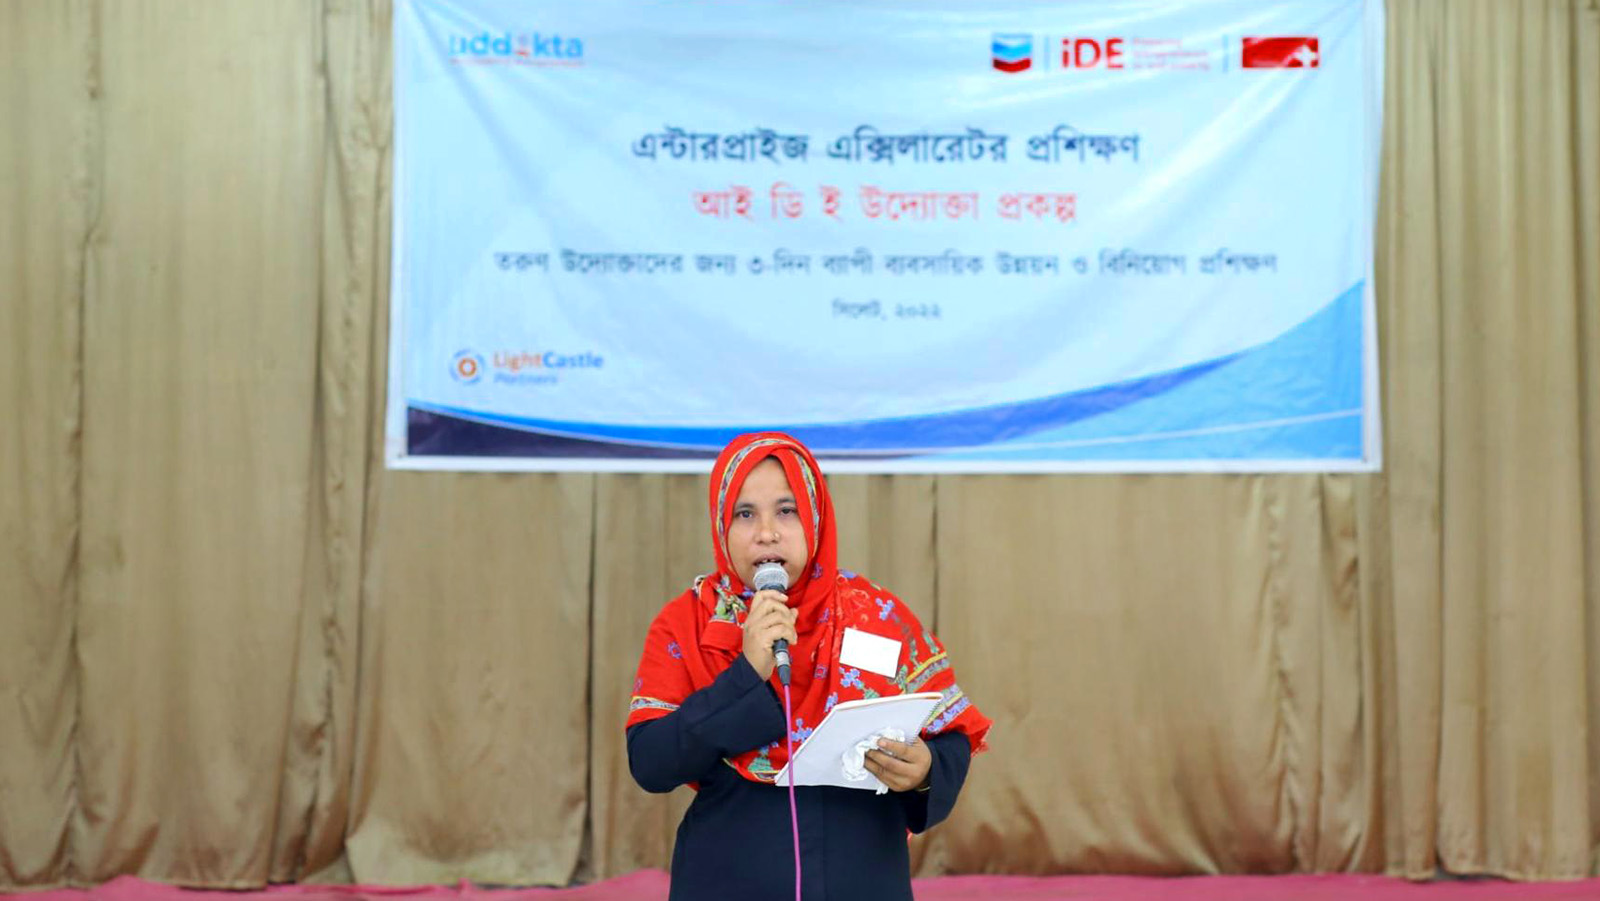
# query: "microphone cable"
[[794, 816]]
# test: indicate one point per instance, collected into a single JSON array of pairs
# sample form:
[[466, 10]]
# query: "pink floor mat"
[[651, 885]]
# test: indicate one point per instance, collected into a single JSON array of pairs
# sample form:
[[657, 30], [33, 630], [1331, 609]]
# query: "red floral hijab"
[[699, 634]]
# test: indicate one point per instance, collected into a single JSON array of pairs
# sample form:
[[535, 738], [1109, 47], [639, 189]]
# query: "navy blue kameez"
[[735, 840]]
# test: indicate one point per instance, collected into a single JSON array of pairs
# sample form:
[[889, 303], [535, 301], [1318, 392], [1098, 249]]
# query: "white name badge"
[[873, 653]]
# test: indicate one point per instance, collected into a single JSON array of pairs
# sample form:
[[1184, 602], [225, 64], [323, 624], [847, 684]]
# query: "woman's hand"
[[769, 620], [902, 766]]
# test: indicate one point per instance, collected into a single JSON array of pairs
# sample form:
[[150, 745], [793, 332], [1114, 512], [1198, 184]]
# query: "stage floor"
[[652, 886]]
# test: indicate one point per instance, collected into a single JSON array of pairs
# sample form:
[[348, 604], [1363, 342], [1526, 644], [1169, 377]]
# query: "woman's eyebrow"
[[747, 505]]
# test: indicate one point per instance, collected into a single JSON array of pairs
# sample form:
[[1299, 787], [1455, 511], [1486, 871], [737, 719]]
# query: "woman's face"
[[766, 524]]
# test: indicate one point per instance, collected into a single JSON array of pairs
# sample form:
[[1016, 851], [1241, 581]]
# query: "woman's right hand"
[[770, 619]]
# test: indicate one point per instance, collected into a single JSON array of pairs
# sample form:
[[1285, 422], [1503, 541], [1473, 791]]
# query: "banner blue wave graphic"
[[1297, 397], [1310, 372]]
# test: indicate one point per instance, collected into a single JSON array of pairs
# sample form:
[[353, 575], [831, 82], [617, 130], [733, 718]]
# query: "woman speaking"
[[707, 708]]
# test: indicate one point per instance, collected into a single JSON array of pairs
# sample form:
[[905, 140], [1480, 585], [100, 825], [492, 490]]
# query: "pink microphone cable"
[[771, 576], [794, 816]]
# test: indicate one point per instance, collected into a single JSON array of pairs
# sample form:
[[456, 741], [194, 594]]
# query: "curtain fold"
[[199, 325], [1513, 743], [354, 131], [650, 531], [47, 216], [470, 753]]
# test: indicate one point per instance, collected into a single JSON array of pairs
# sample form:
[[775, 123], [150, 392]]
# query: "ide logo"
[[1088, 53], [1122, 54]]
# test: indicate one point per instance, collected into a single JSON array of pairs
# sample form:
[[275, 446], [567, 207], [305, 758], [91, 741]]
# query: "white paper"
[[873, 653], [819, 759]]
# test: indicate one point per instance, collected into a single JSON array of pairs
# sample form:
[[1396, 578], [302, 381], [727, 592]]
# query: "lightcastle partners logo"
[[521, 367], [466, 367]]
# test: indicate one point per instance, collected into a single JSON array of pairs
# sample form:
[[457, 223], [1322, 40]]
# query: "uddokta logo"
[[529, 48]]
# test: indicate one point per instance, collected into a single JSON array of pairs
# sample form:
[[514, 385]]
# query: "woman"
[[707, 708]]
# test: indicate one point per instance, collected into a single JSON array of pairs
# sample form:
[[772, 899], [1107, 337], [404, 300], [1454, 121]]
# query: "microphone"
[[771, 576]]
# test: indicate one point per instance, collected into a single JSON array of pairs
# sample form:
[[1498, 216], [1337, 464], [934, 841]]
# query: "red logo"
[[1087, 53], [1013, 52], [1281, 53]]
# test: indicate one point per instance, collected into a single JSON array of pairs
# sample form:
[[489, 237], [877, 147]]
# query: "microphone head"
[[770, 576]]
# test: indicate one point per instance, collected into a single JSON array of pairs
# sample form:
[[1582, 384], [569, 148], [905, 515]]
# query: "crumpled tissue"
[[855, 759]]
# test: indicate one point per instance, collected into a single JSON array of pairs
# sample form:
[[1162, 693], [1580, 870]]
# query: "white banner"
[[932, 236]]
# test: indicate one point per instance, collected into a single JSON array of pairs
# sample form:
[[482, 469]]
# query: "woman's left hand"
[[902, 766]]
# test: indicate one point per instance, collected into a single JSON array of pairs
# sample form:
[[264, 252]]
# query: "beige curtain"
[[234, 649]]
